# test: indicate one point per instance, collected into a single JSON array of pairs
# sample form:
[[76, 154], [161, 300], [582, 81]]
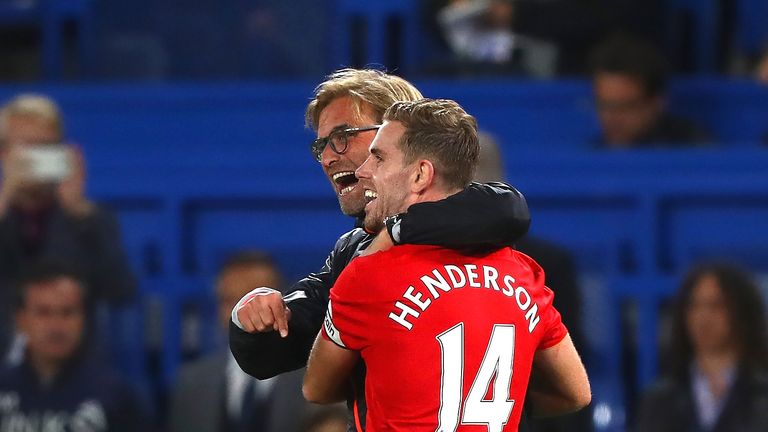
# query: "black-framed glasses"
[[338, 139]]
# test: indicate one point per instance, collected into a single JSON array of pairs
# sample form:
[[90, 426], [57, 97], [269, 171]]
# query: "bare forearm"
[[315, 392], [559, 383], [328, 372], [546, 404]]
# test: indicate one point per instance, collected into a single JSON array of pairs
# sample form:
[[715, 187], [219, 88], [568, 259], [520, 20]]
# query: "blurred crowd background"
[[155, 167]]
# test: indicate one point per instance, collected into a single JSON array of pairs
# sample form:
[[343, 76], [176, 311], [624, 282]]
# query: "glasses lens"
[[338, 141], [317, 147]]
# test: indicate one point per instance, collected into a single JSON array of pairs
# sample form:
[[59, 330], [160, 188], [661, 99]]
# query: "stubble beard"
[[354, 207]]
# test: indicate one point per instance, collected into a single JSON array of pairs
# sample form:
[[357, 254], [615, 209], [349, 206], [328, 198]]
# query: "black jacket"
[[483, 215], [668, 406], [84, 396], [91, 245]]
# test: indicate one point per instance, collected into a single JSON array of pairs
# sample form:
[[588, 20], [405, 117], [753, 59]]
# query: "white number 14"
[[497, 362]]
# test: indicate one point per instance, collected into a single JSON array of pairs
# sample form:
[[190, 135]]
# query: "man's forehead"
[[61, 290], [387, 136], [343, 111], [247, 275], [391, 129]]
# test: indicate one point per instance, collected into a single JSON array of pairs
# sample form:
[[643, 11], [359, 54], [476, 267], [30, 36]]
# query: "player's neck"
[[47, 369], [433, 194]]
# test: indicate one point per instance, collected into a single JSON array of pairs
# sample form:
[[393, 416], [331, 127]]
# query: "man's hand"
[[14, 172], [262, 310], [71, 190]]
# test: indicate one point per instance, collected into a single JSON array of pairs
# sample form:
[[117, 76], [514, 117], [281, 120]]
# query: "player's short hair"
[[441, 131], [635, 58], [746, 315], [370, 90], [32, 105], [43, 271]]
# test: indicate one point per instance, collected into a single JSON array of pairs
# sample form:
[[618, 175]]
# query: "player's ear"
[[423, 175]]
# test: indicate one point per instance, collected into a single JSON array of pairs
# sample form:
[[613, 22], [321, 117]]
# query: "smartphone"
[[47, 162]]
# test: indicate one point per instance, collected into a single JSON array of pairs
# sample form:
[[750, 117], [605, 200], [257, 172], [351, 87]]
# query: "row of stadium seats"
[[699, 21]]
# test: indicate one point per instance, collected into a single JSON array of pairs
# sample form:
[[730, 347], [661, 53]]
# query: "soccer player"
[[271, 331], [449, 338]]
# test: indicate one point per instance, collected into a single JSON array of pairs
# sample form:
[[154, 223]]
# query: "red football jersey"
[[447, 338]]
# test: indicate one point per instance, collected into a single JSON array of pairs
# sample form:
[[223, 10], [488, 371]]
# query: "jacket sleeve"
[[264, 355], [483, 214]]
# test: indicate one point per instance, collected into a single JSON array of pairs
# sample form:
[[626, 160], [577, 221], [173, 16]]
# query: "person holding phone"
[[44, 212]]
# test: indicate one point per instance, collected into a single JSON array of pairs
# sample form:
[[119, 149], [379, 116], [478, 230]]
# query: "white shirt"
[[237, 384], [708, 406]]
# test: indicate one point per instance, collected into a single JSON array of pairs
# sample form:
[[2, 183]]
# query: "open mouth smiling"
[[345, 181]]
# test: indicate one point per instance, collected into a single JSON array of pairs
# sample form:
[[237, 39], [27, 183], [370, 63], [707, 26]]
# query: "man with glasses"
[[272, 332], [451, 338]]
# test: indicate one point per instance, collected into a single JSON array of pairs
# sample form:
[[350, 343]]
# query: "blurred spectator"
[[58, 386], [538, 38], [576, 26], [44, 211], [213, 394], [717, 379], [761, 71], [630, 79], [481, 38], [561, 277], [327, 419], [761, 74]]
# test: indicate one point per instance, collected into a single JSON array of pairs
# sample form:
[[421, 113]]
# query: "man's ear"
[[423, 176]]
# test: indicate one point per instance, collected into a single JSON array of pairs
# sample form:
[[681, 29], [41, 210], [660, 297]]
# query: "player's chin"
[[373, 222], [374, 226], [352, 206]]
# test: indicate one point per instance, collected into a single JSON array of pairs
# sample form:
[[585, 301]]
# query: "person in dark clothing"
[[717, 377], [272, 332], [212, 394], [44, 211], [58, 386], [629, 78]]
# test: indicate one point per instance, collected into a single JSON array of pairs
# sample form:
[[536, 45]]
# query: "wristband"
[[393, 227]]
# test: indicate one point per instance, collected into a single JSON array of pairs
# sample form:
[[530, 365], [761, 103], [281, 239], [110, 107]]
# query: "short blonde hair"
[[441, 131], [369, 89], [33, 105]]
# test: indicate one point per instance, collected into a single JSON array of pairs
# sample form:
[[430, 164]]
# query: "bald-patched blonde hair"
[[32, 105], [370, 90]]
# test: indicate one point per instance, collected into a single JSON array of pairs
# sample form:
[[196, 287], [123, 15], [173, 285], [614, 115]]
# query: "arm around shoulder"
[[483, 214]]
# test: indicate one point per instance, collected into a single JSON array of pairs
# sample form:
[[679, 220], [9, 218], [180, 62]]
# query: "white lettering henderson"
[[460, 277]]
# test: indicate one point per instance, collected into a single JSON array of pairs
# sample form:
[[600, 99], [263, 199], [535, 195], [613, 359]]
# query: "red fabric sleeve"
[[554, 329], [345, 319]]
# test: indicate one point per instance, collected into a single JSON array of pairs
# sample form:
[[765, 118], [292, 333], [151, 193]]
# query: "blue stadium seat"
[[375, 15], [703, 15], [751, 28], [49, 17]]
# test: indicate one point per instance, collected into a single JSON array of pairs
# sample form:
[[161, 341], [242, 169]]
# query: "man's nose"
[[328, 157], [362, 171]]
